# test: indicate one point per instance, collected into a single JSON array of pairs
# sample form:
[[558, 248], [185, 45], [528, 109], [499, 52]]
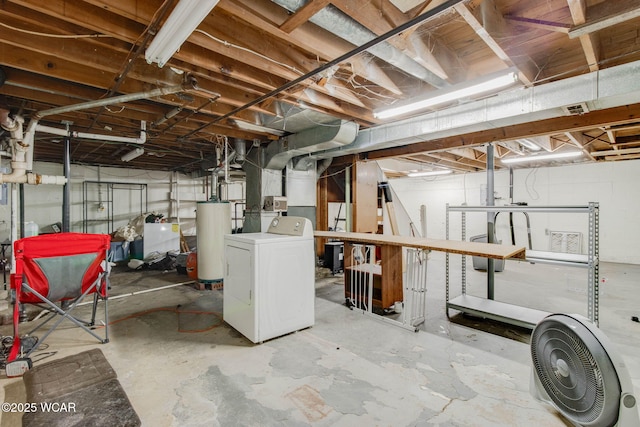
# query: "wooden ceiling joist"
[[250, 51]]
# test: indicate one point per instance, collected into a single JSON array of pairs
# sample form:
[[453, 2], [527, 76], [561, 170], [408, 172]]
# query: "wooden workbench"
[[388, 285]]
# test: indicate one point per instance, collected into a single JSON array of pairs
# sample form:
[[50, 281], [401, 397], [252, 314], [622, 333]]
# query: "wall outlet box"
[[275, 203]]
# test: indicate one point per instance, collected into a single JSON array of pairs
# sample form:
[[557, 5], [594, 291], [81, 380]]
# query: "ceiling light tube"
[[185, 18], [452, 94], [535, 158], [429, 173], [132, 154]]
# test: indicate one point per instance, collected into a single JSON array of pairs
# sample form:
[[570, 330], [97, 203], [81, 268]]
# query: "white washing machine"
[[269, 281]]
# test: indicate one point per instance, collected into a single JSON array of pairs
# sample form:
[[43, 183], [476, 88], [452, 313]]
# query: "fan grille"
[[575, 371]]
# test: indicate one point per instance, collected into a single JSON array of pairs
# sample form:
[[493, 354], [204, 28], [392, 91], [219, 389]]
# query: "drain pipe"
[[20, 153], [23, 147], [226, 161], [10, 124], [72, 134], [189, 85]]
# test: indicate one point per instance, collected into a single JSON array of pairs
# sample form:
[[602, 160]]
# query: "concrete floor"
[[181, 365]]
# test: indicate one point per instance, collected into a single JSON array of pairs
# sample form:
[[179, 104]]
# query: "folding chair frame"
[[98, 287]]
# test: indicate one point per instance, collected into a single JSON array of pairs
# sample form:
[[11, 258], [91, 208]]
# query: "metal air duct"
[[336, 22], [603, 89], [336, 134], [240, 146]]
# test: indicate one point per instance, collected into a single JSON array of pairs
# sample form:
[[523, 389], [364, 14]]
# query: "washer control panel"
[[291, 226]]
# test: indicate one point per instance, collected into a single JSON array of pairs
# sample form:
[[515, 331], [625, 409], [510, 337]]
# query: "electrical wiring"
[[29, 341], [5, 348], [350, 78], [114, 111], [335, 173], [533, 194], [57, 36], [229, 44]]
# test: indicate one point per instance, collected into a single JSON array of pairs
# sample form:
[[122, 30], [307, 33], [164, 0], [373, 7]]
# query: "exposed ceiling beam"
[[433, 159], [629, 139], [589, 43], [578, 139], [558, 27], [611, 134], [619, 115], [427, 6], [543, 141], [630, 126], [303, 14], [490, 16], [363, 65], [623, 151], [606, 14], [466, 152], [511, 146], [626, 157], [368, 15], [444, 155]]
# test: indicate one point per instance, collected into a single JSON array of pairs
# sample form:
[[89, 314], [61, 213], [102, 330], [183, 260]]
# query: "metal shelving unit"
[[523, 316], [105, 222]]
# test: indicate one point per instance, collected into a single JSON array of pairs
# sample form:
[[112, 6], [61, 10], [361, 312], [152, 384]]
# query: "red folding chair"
[[59, 268]]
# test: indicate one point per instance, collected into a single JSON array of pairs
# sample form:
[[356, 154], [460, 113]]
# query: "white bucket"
[[398, 306]]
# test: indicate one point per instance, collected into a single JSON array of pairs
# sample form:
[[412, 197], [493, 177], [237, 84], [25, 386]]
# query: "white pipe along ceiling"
[[22, 145]]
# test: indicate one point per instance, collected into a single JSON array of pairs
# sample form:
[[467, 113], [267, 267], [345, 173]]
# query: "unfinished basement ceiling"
[[246, 53]]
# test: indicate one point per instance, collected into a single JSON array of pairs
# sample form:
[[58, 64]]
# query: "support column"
[[490, 221], [347, 199], [66, 189]]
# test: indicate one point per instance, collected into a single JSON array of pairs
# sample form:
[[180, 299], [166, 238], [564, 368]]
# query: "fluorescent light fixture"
[[453, 93], [535, 158], [429, 173], [185, 18], [132, 155]]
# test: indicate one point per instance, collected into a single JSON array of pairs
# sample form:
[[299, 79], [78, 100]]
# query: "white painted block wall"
[[614, 185], [44, 202]]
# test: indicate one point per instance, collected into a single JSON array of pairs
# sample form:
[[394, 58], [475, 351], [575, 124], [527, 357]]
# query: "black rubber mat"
[[75, 391], [62, 376]]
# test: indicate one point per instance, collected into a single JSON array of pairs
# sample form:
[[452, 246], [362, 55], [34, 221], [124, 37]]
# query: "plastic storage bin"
[[119, 251], [31, 229]]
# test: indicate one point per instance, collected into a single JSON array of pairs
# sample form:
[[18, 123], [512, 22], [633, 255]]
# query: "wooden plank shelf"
[[485, 250]]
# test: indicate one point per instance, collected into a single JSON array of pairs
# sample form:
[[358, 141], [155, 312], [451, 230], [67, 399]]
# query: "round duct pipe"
[[240, 147]]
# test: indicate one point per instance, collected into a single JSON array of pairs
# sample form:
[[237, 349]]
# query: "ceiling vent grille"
[[576, 109]]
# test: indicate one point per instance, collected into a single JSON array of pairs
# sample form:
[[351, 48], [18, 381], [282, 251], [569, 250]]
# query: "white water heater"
[[213, 221]]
